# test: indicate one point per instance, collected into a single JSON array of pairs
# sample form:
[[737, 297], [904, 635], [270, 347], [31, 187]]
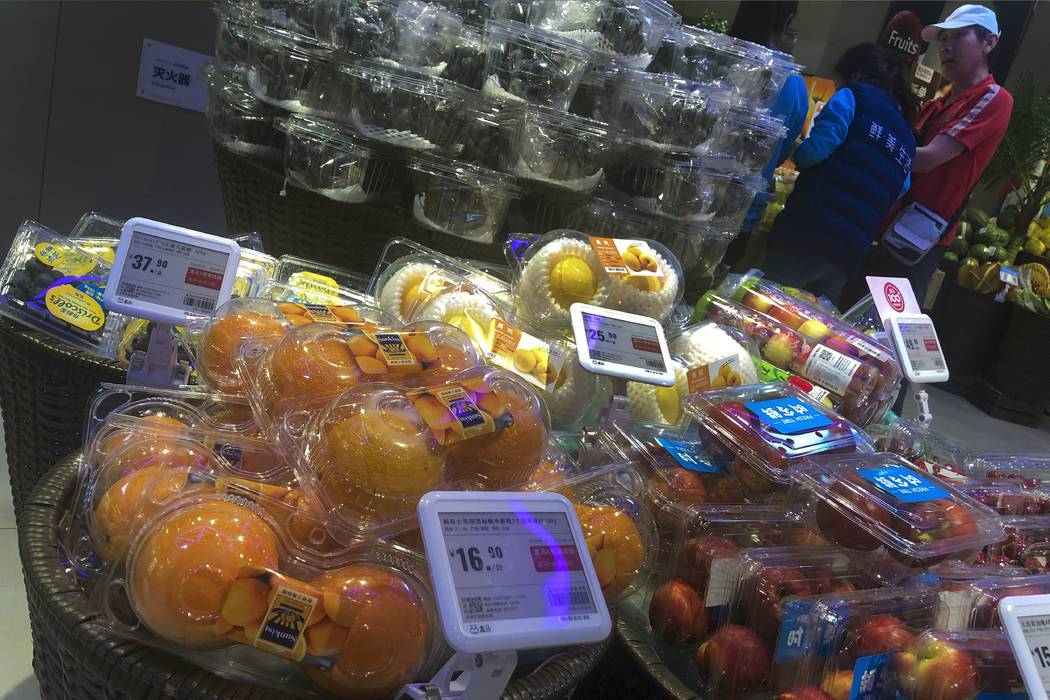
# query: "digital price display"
[[165, 273], [918, 348], [511, 571], [622, 345], [1026, 621]]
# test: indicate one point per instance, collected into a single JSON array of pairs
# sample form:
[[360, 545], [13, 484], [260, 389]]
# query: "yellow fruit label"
[[457, 412], [70, 304], [715, 375], [103, 252], [626, 257], [393, 348], [532, 359], [314, 288], [302, 313], [49, 254], [276, 613]]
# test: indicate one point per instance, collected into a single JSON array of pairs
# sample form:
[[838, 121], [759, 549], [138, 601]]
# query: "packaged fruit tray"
[[459, 199], [282, 66], [626, 31], [1000, 465], [890, 515], [925, 448], [564, 267], [52, 285], [239, 120], [523, 63], [942, 665], [837, 637], [363, 29], [554, 147], [771, 428], [1025, 545], [317, 282], [975, 604], [466, 60], [370, 454]]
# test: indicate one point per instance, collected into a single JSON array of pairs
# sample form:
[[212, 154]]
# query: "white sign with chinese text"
[[172, 75]]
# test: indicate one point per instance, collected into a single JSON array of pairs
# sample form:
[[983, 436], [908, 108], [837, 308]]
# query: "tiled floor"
[[953, 417]]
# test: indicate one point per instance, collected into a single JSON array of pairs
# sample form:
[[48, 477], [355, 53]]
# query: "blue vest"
[[838, 205]]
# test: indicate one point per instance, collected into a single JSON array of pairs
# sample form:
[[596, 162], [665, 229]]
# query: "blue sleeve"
[[792, 106], [906, 186], [829, 130]]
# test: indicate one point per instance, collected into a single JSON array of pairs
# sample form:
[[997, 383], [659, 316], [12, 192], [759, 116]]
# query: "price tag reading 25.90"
[[514, 569], [621, 345]]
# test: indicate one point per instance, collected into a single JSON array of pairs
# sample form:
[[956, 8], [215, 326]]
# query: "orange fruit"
[[506, 457], [387, 632], [223, 341], [381, 461], [183, 569], [615, 546], [308, 366], [156, 427]]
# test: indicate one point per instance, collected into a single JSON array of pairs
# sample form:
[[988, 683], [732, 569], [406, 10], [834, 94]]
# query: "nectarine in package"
[[827, 641], [772, 427], [375, 450], [888, 514], [312, 364], [405, 277], [943, 665]]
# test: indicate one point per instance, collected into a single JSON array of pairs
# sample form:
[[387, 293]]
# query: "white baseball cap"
[[965, 16]]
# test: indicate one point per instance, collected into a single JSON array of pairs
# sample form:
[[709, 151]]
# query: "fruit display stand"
[[969, 326], [46, 385], [72, 658], [1014, 388], [291, 220]]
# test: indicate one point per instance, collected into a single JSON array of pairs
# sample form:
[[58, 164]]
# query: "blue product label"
[[792, 643], [904, 484], [688, 454], [96, 293], [872, 678], [789, 415]]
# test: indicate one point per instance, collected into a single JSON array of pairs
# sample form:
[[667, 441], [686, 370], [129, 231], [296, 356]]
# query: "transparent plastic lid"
[[981, 661], [864, 502], [1028, 465], [975, 604], [774, 426], [459, 173]]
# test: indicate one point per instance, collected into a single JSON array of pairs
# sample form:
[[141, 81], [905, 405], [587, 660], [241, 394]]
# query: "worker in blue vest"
[[853, 166]]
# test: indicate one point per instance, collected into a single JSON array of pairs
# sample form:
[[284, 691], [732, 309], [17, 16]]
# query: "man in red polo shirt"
[[957, 135]]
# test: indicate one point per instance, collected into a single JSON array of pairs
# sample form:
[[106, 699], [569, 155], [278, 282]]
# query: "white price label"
[[511, 571], [920, 343], [830, 368], [165, 273], [1026, 621], [621, 345]]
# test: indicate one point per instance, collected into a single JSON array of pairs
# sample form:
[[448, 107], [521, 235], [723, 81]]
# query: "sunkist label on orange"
[[457, 412], [275, 613], [301, 312], [714, 375], [532, 359], [625, 257]]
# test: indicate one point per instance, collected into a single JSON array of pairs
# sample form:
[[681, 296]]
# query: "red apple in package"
[[945, 665], [733, 662], [677, 613]]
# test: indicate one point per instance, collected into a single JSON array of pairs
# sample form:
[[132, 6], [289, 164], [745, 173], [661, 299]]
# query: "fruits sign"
[[903, 35]]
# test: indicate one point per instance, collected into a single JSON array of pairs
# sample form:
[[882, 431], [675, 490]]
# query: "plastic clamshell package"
[[853, 383], [314, 363], [406, 108], [753, 137], [928, 449], [364, 29], [562, 267], [52, 285], [660, 404], [425, 34], [975, 604], [711, 57], [323, 159], [838, 635], [943, 665], [523, 63], [370, 454], [705, 344], [625, 31], [889, 514], [1030, 465], [281, 66], [555, 148], [743, 419], [405, 265], [232, 36], [239, 120], [466, 60], [318, 283], [1006, 496], [459, 199]]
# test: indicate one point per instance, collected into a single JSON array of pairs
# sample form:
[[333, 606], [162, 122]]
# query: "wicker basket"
[[309, 225], [45, 387], [75, 660]]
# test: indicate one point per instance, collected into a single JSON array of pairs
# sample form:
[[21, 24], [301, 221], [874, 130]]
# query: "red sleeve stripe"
[[993, 90]]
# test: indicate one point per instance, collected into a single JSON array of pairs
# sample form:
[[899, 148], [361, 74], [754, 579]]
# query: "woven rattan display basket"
[[309, 225], [75, 660], [45, 387]]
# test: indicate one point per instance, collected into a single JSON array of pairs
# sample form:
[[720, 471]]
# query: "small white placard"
[[1026, 621], [623, 345], [172, 75]]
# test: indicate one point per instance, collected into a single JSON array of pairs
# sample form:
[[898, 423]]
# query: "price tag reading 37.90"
[[163, 273]]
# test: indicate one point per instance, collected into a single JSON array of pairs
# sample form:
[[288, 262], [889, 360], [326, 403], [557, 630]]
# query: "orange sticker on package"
[[381, 352], [301, 314], [714, 375], [279, 615], [625, 257], [535, 361], [456, 412]]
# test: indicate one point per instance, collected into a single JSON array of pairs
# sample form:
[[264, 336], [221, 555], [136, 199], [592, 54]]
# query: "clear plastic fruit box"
[[889, 514], [625, 31], [312, 277], [460, 199], [555, 148], [975, 604], [51, 284], [771, 428], [944, 665], [1030, 465]]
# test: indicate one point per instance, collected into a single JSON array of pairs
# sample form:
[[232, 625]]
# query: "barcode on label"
[[830, 369], [127, 288], [563, 598], [472, 606], [654, 364], [616, 270], [198, 302]]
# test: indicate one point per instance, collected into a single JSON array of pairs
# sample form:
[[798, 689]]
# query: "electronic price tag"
[[1026, 621], [166, 273], [918, 348], [510, 571], [621, 345]]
